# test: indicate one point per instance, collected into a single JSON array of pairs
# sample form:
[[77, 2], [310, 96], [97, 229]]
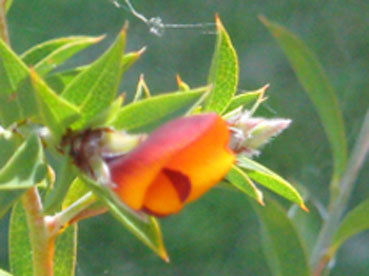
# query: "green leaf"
[[18, 106], [281, 242], [313, 78], [17, 101], [8, 5], [64, 178], [223, 72], [4, 273], [77, 189], [58, 81], [103, 118], [182, 86], [145, 228], [9, 142], [20, 252], [15, 69], [46, 56], [355, 222], [145, 114], [95, 88], [249, 100], [243, 183], [55, 112], [271, 180], [66, 252], [23, 170], [142, 90], [129, 59]]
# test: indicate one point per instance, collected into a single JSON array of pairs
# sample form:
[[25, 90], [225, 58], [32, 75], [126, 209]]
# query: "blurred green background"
[[219, 235]]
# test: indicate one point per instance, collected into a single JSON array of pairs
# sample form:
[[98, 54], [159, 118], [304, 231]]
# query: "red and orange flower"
[[175, 165]]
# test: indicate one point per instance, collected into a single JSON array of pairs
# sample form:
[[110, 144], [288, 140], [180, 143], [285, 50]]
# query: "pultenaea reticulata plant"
[[57, 111]]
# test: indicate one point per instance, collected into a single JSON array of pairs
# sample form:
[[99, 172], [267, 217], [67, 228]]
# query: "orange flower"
[[177, 164]]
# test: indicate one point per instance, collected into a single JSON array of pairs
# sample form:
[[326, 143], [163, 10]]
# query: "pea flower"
[[175, 165]]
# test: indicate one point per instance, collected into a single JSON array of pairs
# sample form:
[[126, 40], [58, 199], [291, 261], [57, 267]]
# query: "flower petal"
[[195, 147], [162, 197]]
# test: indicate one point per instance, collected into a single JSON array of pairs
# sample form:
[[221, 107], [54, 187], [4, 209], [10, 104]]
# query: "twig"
[[42, 243], [67, 216], [347, 182]]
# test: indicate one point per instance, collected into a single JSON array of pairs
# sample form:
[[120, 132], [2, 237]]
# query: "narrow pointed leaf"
[[15, 69], [271, 180], [17, 101], [8, 5], [96, 87], [182, 86], [60, 80], [248, 100], [18, 106], [76, 190], [24, 169], [103, 118], [46, 56], [145, 228], [243, 183], [129, 59], [142, 90], [282, 245], [146, 114], [223, 72], [20, 101], [9, 142], [66, 252], [354, 222], [316, 84], [64, 178], [55, 112], [20, 250]]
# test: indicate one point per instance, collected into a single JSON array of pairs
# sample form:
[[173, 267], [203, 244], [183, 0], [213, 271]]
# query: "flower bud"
[[249, 134], [175, 165]]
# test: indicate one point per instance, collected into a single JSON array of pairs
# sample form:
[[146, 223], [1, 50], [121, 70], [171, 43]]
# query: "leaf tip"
[[97, 39], [181, 84], [265, 87], [125, 27], [263, 20], [261, 202], [164, 255], [218, 22], [141, 51], [303, 207], [179, 79]]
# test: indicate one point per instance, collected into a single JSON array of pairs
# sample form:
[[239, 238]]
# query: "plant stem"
[[41, 241], [65, 217], [319, 256], [4, 35]]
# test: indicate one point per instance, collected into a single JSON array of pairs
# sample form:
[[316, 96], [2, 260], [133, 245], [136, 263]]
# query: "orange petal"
[[195, 146], [205, 161], [167, 193]]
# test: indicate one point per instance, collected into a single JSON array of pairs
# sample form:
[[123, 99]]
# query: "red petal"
[[195, 147]]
